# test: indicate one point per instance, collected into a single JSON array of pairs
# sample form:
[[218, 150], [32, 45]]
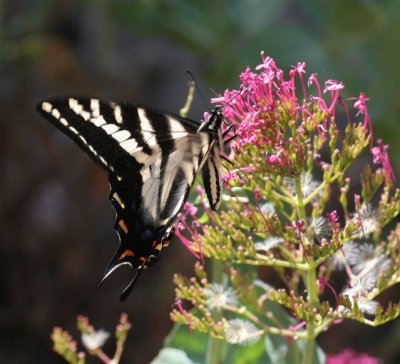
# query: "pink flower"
[[267, 61], [300, 68], [274, 159], [350, 357], [361, 105], [190, 209], [313, 80], [333, 217], [380, 156], [334, 87], [299, 225]]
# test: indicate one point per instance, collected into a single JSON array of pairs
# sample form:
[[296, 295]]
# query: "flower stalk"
[[215, 347]]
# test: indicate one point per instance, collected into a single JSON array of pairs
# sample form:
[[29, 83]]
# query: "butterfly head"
[[214, 121]]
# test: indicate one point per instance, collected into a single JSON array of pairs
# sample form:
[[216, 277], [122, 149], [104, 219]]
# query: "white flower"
[[358, 290], [358, 254], [308, 184], [95, 340], [360, 285], [240, 331], [364, 259], [218, 296], [368, 217], [268, 244], [267, 208], [320, 228], [367, 306], [340, 258]]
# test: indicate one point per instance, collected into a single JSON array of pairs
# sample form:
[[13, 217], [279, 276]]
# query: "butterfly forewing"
[[152, 159]]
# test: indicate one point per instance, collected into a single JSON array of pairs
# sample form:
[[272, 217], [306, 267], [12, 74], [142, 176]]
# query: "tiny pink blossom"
[[313, 80], [333, 217], [300, 67], [333, 85], [361, 105], [190, 209], [299, 225], [266, 63], [274, 159], [246, 76], [380, 156], [228, 177], [257, 194]]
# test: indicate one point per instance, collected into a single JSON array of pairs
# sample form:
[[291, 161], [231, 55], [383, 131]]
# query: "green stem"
[[266, 329], [311, 278], [216, 347], [321, 187], [313, 300]]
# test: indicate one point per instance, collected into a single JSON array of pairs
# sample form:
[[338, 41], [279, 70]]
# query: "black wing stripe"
[[160, 124], [133, 121], [76, 122], [212, 180], [109, 116]]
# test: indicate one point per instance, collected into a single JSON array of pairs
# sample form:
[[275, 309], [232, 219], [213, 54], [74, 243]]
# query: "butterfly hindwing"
[[152, 159]]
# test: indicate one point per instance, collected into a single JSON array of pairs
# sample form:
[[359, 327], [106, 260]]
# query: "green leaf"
[[276, 348], [249, 354], [172, 356], [193, 343], [282, 351]]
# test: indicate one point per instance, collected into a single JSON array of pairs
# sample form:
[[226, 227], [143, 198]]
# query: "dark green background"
[[56, 223]]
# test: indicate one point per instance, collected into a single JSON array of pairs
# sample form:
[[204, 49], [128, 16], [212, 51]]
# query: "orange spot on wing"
[[127, 253], [123, 226], [158, 247]]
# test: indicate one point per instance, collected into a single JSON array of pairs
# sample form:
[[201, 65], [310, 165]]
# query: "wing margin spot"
[[46, 106]]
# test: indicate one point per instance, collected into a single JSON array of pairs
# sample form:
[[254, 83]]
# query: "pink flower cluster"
[[267, 102], [265, 95]]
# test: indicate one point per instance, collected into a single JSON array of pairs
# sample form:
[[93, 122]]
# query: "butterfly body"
[[152, 159]]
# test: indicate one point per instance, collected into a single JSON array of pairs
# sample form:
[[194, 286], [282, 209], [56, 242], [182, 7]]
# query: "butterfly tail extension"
[[126, 292]]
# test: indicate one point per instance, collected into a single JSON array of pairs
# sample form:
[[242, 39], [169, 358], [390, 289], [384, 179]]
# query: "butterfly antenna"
[[198, 90]]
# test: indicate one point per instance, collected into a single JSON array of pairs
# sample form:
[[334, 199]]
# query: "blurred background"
[[56, 222]]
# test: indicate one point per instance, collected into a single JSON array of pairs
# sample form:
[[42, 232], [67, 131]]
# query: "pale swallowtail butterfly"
[[152, 159]]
